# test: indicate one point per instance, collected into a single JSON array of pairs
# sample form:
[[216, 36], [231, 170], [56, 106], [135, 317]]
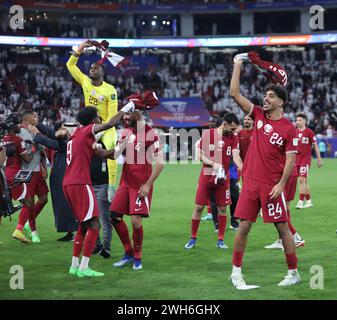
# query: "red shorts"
[[19, 192], [36, 186], [254, 196], [290, 189], [221, 193], [303, 170], [126, 201], [82, 200]]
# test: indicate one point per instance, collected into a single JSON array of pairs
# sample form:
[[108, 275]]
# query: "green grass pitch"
[[170, 271]]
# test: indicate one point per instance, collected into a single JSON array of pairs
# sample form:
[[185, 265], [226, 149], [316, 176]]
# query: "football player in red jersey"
[[78, 188], [245, 135], [16, 154], [268, 165], [306, 139], [215, 150], [134, 194]]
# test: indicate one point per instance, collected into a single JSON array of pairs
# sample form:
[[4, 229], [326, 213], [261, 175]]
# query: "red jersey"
[[245, 136], [217, 148], [306, 138], [15, 147], [79, 156], [271, 141], [141, 147]]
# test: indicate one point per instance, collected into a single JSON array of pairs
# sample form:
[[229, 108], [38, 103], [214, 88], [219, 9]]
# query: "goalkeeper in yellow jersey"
[[102, 96]]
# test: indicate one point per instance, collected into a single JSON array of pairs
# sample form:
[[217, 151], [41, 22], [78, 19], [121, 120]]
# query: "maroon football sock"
[[123, 233], [237, 258], [78, 242], [291, 260], [194, 228], [23, 217], [137, 237], [222, 220], [90, 242]]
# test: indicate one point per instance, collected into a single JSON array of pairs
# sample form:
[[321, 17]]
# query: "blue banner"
[[180, 113]]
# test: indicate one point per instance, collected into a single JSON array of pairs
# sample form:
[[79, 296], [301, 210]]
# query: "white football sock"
[[75, 262], [84, 263]]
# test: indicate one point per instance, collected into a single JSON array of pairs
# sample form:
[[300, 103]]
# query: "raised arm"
[[243, 102], [45, 130], [77, 74], [129, 107]]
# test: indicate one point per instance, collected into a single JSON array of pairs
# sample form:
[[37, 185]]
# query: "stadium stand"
[[41, 82]]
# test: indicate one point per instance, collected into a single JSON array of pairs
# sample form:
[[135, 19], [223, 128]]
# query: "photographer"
[[17, 155]]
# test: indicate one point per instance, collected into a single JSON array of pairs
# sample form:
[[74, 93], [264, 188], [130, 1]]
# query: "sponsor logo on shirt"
[[93, 92], [259, 124], [101, 98]]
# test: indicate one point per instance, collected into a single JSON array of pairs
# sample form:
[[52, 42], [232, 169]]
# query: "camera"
[[10, 122], [6, 202]]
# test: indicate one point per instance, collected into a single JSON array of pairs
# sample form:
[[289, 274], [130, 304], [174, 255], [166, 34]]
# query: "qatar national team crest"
[[211, 147], [259, 124], [132, 139], [221, 144], [267, 129]]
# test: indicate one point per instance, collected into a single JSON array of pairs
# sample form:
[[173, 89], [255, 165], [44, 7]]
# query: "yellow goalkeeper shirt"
[[104, 99]]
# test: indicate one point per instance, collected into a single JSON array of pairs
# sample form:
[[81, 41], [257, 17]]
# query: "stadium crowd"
[[40, 82]]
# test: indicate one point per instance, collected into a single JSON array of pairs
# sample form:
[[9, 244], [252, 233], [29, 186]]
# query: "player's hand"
[[276, 191], [216, 166], [111, 192], [319, 163], [44, 173], [32, 129], [144, 190], [85, 44], [62, 132]]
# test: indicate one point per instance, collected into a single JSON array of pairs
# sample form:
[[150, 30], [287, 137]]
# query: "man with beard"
[[134, 194], [215, 149]]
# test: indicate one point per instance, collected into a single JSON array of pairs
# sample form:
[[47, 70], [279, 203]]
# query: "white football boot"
[[292, 278], [276, 245]]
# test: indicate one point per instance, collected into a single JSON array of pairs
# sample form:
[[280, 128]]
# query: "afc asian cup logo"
[[267, 129]]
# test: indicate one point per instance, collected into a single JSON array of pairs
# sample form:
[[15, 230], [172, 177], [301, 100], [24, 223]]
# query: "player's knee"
[[245, 227], [29, 203], [136, 222], [198, 209], [222, 210], [282, 228], [94, 223], [115, 217], [43, 200]]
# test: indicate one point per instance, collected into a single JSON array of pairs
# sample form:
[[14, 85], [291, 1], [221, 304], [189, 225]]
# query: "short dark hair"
[[87, 115], [303, 116], [231, 117], [26, 112], [279, 91]]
